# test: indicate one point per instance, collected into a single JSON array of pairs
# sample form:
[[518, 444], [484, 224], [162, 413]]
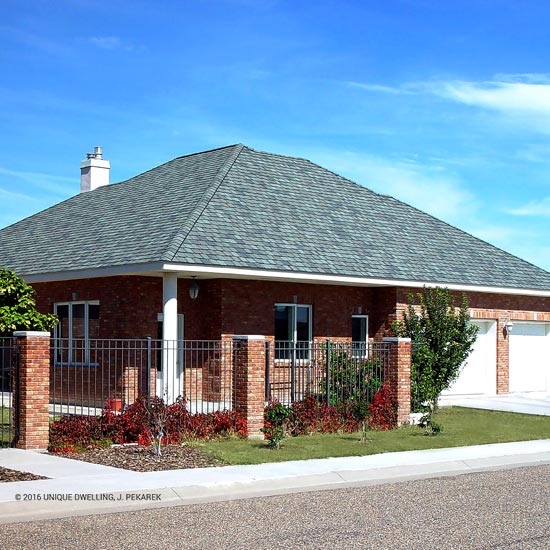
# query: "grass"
[[461, 426], [6, 430]]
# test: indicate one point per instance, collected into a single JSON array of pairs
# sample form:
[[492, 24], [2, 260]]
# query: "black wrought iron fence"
[[85, 375], [331, 371], [8, 412]]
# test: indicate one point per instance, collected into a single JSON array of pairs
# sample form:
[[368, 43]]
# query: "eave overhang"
[[217, 272]]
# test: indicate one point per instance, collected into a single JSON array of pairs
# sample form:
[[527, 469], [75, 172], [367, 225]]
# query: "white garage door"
[[530, 357], [478, 375]]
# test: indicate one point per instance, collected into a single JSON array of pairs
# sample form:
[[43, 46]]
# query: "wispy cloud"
[[518, 97], [36, 41], [5, 194], [529, 78], [429, 187], [380, 88], [113, 43], [60, 185], [533, 208]]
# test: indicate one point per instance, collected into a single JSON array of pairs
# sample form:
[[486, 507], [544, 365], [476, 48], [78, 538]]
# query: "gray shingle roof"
[[236, 207]]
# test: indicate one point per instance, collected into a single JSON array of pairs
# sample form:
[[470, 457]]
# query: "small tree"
[[442, 339], [18, 308]]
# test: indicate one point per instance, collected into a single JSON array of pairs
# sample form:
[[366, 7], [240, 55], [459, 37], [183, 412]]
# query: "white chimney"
[[94, 171]]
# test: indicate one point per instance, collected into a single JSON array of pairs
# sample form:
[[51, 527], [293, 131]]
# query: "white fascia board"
[[157, 269], [149, 269], [240, 273]]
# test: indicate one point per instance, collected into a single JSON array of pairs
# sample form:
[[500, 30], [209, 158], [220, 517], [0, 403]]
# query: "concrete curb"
[[79, 488]]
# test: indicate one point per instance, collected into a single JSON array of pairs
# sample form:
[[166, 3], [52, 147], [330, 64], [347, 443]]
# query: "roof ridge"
[[202, 203]]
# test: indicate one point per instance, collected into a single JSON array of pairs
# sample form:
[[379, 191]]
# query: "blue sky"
[[444, 105]]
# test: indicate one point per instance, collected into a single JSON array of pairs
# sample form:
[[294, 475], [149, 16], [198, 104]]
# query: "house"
[[237, 241]]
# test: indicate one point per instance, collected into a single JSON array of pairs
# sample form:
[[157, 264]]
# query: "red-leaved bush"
[[383, 410], [314, 416], [134, 425], [311, 415]]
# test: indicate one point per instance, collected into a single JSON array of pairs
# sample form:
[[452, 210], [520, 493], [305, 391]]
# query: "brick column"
[[400, 376], [503, 357], [249, 394], [32, 389], [130, 384]]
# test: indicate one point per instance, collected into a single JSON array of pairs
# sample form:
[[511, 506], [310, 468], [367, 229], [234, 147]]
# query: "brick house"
[[275, 246]]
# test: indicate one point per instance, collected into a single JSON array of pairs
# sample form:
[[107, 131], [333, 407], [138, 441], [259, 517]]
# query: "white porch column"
[[169, 380]]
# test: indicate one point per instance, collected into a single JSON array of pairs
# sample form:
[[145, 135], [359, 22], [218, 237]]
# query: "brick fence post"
[[32, 389], [400, 376], [130, 384], [249, 391]]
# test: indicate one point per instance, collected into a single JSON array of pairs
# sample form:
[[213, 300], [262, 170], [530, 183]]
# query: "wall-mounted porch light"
[[508, 326], [193, 289]]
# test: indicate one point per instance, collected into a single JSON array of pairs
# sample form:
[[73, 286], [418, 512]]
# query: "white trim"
[[396, 340], [248, 337], [294, 320], [157, 269], [360, 345], [170, 379], [69, 337], [28, 333]]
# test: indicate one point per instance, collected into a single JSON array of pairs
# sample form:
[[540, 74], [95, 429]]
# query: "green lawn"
[[460, 427], [6, 433]]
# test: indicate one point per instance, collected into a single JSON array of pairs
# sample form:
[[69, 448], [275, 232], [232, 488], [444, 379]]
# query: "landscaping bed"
[[461, 427], [7, 475], [141, 458]]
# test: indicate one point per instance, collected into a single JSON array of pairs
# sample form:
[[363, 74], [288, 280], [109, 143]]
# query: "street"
[[506, 509]]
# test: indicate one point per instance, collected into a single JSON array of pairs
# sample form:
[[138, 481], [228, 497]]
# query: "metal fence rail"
[[85, 375], [8, 414], [331, 371]]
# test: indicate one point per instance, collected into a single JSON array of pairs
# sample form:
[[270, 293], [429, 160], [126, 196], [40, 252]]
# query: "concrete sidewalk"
[[78, 487], [537, 403]]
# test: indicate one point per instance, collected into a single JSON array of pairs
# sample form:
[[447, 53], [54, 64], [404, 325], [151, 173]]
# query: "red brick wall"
[[248, 306], [129, 307], [33, 390], [249, 397]]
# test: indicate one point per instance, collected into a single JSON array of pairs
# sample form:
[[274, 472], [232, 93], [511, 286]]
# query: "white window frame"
[[295, 329], [69, 338], [363, 351]]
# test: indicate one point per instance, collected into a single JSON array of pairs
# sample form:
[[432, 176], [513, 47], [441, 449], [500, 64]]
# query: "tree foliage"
[[18, 308], [442, 339]]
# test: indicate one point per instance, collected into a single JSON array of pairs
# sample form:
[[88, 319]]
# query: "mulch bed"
[[7, 475], [140, 458], [130, 457]]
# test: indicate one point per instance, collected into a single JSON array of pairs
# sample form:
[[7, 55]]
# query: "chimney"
[[94, 171]]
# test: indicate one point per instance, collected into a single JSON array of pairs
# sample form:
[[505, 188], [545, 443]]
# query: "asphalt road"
[[507, 509]]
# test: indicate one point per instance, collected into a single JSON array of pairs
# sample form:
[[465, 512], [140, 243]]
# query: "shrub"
[[442, 339], [307, 416], [139, 423], [383, 410], [18, 307], [275, 417], [352, 378]]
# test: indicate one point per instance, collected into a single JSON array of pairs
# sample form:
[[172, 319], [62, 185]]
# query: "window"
[[78, 324], [292, 331], [360, 335]]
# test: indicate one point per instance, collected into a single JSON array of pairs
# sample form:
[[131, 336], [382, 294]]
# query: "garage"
[[478, 375], [529, 357]]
